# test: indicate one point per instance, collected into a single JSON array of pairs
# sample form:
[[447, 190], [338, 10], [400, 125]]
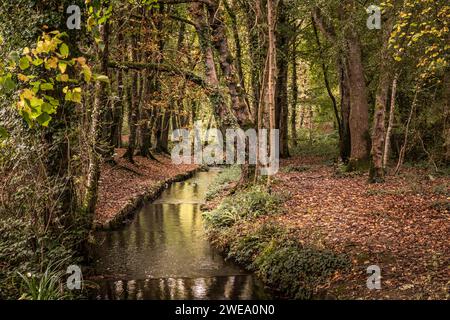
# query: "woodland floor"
[[403, 226], [122, 182]]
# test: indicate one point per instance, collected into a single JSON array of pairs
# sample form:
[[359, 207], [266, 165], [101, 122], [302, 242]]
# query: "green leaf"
[[24, 63], [44, 119], [14, 56], [8, 83], [36, 102], [102, 78], [36, 85], [48, 108], [26, 116], [64, 50], [46, 87], [68, 96], [62, 78], [3, 133], [76, 97], [87, 73], [62, 66], [54, 102], [37, 62]]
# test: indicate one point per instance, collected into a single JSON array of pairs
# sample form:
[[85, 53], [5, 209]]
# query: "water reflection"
[[164, 253], [243, 287]]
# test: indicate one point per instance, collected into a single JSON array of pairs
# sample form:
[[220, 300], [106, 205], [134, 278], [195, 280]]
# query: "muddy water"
[[164, 253]]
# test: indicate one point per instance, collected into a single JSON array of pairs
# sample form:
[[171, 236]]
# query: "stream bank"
[[164, 253], [125, 187], [246, 227], [330, 226]]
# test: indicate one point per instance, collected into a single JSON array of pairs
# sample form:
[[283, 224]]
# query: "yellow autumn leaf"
[[22, 77], [81, 61], [62, 67], [52, 63]]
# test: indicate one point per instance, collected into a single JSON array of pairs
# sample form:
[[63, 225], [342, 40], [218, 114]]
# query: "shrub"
[[295, 270], [16, 254], [245, 249], [45, 286]]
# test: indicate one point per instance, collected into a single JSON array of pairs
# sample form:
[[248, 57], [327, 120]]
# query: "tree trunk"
[[294, 93], [238, 48], [344, 87], [359, 112], [272, 69], [95, 135], [256, 49], [116, 127], [376, 173], [162, 137], [387, 144], [281, 91], [196, 10], [132, 103], [219, 40]]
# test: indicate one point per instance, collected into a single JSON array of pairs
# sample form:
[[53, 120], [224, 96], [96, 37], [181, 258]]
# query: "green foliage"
[[247, 248], [323, 145], [293, 168], [227, 176], [3, 133], [39, 97], [23, 252], [295, 270], [16, 254], [45, 286], [244, 205], [421, 31], [99, 12], [276, 256], [36, 229]]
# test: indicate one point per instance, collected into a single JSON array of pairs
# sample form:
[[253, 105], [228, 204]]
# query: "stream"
[[164, 254]]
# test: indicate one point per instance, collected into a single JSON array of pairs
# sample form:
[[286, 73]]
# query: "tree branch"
[[189, 75]]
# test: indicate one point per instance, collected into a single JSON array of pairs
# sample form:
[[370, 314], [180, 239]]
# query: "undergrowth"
[[265, 247], [244, 205], [227, 176]]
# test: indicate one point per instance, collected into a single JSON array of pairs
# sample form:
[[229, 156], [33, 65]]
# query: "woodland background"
[[368, 104]]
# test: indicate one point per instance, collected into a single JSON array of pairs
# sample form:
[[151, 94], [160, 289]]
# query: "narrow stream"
[[164, 253]]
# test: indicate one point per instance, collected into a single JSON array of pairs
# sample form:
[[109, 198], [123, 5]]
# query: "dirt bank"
[[125, 186]]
